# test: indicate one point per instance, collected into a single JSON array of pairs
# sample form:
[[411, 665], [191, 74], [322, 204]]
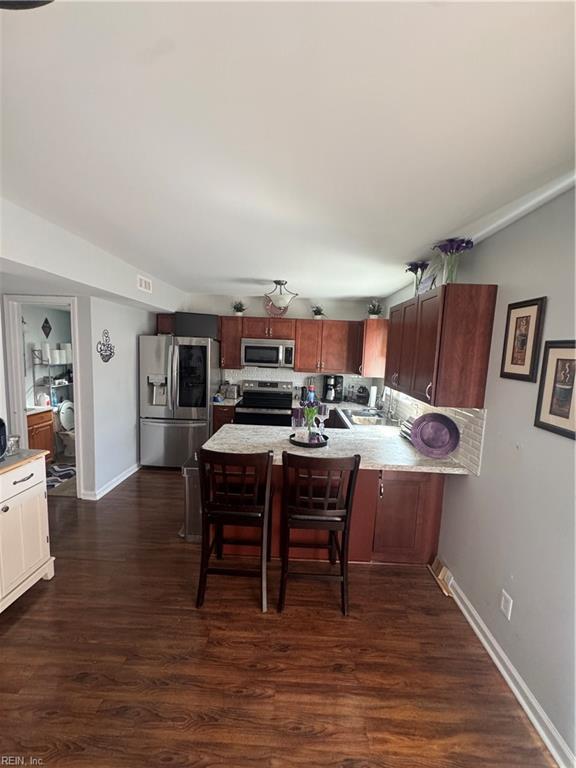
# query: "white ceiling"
[[220, 146]]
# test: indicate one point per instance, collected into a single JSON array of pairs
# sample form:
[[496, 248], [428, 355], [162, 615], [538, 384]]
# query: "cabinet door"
[[308, 345], [230, 335], [394, 347], [23, 536], [427, 341], [408, 345], [355, 335], [408, 517], [41, 433], [255, 327], [222, 414], [335, 354], [374, 348], [281, 328]]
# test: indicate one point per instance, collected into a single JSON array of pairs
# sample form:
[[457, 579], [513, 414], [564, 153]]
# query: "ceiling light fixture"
[[277, 301], [22, 5]]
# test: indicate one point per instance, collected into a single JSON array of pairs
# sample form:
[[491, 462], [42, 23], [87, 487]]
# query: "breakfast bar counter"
[[380, 448], [397, 506]]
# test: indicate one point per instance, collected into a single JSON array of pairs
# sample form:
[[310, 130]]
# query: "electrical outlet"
[[506, 603]]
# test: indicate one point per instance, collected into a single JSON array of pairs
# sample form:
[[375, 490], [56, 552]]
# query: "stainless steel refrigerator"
[[178, 379]]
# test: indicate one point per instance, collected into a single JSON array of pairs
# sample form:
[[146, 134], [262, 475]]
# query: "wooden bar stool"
[[235, 489], [317, 494]]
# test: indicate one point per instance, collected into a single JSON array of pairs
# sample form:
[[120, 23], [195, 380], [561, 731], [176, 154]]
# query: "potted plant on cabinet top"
[[318, 312], [374, 309], [239, 307]]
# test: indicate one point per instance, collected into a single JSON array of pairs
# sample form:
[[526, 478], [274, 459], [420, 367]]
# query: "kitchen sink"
[[369, 418]]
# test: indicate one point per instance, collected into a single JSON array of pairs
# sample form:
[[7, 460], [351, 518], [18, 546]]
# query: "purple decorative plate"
[[435, 435]]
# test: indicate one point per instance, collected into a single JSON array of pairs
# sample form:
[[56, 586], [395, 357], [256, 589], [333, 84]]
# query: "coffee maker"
[[333, 389]]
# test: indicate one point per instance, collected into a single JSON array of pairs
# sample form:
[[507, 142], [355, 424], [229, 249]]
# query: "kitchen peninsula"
[[398, 502]]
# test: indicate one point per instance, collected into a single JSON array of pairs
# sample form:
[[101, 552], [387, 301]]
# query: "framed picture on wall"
[[556, 408], [522, 338]]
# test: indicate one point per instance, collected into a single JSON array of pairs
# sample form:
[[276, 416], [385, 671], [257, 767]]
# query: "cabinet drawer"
[[37, 419], [22, 478]]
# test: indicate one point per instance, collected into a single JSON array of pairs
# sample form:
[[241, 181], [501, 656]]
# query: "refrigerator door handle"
[[170, 382], [175, 376]]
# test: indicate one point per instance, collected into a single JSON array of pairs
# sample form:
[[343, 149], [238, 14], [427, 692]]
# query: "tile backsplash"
[[235, 376], [470, 421]]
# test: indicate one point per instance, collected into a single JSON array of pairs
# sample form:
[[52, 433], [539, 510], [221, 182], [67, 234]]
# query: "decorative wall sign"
[[522, 338], [46, 327], [104, 348], [556, 408]]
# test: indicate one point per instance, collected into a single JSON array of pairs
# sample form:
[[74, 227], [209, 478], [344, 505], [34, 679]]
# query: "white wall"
[[3, 403], [115, 389], [513, 527], [34, 336], [340, 309], [32, 241]]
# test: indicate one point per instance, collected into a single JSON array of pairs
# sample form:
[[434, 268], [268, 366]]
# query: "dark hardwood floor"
[[109, 664]]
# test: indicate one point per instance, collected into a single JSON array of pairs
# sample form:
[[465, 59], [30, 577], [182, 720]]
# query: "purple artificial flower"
[[453, 245], [423, 266], [413, 266]]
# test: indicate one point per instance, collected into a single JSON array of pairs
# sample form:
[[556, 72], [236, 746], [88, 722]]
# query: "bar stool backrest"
[[319, 488], [234, 482]]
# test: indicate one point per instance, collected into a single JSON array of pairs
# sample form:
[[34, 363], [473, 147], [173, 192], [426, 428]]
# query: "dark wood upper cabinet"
[[467, 317], [254, 327], [408, 346], [166, 323], [393, 347], [439, 345], [308, 345], [230, 336], [374, 347], [337, 342], [428, 324], [281, 328], [268, 328]]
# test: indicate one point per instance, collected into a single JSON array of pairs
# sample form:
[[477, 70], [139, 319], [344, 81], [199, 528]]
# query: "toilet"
[[64, 417]]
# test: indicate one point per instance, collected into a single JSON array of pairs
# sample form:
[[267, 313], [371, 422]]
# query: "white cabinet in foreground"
[[24, 536]]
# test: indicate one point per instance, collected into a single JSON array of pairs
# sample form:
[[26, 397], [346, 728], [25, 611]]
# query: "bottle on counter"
[[311, 398]]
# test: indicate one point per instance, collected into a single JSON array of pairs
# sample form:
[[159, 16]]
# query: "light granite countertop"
[[379, 447]]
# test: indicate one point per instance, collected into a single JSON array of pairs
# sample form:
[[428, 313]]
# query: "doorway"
[[44, 386]]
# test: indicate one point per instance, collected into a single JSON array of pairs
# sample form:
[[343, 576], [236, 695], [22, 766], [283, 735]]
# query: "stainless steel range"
[[265, 402]]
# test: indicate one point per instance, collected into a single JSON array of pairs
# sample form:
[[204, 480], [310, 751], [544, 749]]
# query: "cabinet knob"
[[5, 509], [428, 391], [360, 369]]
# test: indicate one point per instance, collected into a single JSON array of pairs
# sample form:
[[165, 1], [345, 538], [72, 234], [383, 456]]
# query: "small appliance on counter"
[[232, 392], [333, 391], [362, 395]]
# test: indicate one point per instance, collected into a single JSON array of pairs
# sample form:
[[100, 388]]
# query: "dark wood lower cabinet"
[[408, 516], [41, 432], [395, 519], [222, 414]]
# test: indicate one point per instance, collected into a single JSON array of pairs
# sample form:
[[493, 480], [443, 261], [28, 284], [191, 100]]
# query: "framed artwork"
[[522, 338], [556, 408]]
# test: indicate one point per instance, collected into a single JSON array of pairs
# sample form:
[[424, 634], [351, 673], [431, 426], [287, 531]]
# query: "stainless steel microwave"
[[267, 353]]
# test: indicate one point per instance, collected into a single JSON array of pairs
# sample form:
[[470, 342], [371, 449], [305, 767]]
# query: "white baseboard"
[[98, 494], [558, 747]]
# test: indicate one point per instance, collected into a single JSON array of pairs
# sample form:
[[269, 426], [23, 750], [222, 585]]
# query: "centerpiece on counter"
[[305, 420]]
